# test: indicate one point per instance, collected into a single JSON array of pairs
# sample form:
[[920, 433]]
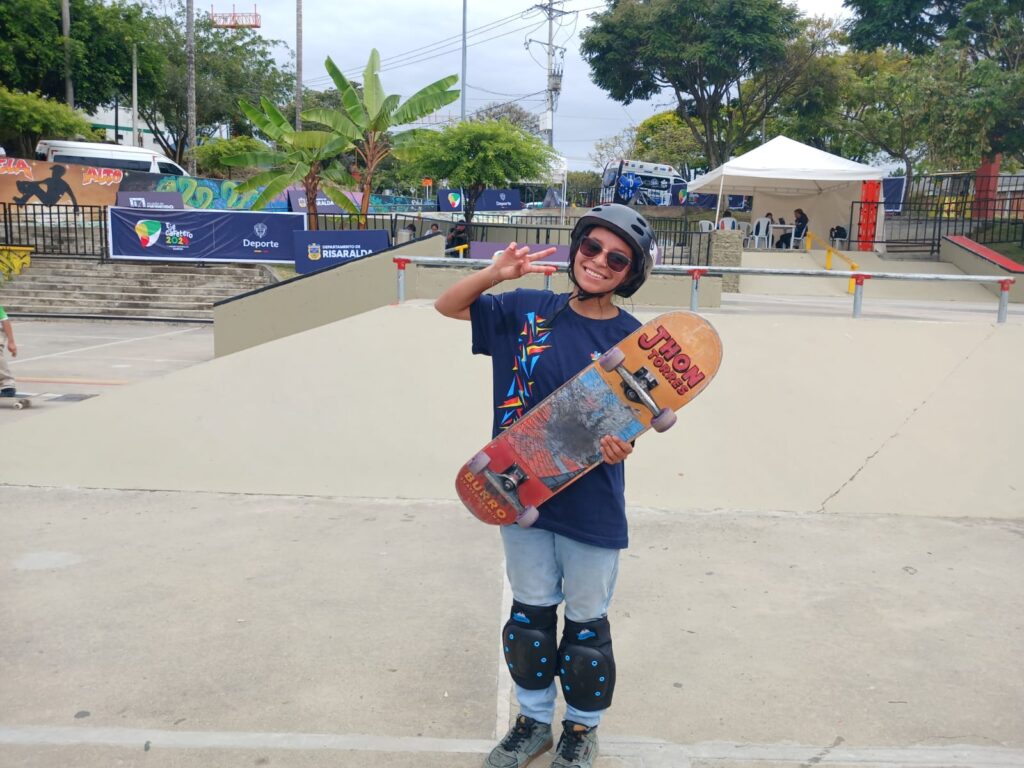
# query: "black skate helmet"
[[631, 227]]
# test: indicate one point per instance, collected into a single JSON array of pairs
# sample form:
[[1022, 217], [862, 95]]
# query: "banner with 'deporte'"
[[199, 235]]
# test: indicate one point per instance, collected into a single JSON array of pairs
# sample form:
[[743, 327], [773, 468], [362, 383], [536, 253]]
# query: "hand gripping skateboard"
[[636, 385]]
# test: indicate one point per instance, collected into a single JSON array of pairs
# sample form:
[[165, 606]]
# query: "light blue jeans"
[[545, 568]]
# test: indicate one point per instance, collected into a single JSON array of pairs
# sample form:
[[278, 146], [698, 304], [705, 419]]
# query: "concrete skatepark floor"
[[257, 560]]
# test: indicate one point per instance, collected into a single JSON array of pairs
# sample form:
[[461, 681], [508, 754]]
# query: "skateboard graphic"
[[636, 385], [17, 402]]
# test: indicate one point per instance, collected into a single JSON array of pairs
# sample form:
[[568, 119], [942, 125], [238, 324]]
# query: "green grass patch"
[[1004, 237], [1011, 251]]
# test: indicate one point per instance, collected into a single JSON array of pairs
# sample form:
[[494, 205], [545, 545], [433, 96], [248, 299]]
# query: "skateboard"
[[17, 402], [635, 386]]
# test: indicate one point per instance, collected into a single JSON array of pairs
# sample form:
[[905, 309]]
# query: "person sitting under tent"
[[800, 222]]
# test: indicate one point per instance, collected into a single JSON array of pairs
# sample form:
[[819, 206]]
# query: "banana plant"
[[367, 117], [297, 157]]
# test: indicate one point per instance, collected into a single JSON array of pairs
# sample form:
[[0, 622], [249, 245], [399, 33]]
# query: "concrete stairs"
[[58, 287]]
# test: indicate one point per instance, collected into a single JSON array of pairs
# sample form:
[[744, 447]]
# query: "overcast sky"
[[420, 41]]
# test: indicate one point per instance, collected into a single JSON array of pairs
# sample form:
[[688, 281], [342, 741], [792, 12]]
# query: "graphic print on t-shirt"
[[531, 343]]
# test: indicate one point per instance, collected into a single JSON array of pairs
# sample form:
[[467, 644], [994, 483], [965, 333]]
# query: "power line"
[[453, 50], [496, 93], [440, 48], [458, 38]]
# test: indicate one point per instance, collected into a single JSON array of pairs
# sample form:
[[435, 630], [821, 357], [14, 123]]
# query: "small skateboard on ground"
[[17, 402], [636, 385]]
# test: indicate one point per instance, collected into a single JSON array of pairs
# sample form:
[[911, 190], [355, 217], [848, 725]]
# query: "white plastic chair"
[[762, 233], [705, 225], [798, 242], [728, 222]]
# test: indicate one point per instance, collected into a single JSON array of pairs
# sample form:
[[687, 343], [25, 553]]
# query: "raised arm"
[[510, 264]]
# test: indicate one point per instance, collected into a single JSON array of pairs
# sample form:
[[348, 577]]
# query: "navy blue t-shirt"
[[532, 353]]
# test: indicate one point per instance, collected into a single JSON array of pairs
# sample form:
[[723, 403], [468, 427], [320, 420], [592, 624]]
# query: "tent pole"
[[718, 201]]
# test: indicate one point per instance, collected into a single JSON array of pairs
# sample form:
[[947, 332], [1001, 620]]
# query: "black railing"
[[922, 223], [59, 230], [82, 232]]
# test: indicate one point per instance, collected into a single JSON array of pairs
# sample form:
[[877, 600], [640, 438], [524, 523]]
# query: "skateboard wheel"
[[529, 517], [477, 463], [664, 420], [611, 359], [18, 406]]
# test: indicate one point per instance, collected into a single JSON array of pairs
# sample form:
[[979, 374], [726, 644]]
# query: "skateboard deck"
[[17, 402], [635, 386]]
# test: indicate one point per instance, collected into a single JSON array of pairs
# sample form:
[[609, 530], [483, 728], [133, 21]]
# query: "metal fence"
[[59, 230], [81, 232], [680, 241], [920, 226]]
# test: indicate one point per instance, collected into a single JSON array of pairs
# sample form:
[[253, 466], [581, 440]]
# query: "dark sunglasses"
[[617, 262]]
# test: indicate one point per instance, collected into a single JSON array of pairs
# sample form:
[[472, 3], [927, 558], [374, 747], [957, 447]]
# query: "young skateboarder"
[[537, 340], [7, 387]]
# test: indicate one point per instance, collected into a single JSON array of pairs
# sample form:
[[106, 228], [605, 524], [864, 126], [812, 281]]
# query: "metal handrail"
[[859, 277]]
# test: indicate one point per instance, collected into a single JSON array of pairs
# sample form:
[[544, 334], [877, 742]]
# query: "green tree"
[[973, 50], [366, 117], [614, 148], [102, 34], [583, 179], [885, 105], [25, 118], [397, 176], [477, 156], [707, 53], [583, 188], [510, 112], [915, 26], [664, 138], [210, 155], [972, 108], [230, 63], [306, 157], [815, 110]]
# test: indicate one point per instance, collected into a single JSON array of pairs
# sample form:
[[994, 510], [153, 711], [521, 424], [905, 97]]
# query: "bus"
[[633, 182]]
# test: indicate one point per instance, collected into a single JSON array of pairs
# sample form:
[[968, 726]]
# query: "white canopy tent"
[[783, 174]]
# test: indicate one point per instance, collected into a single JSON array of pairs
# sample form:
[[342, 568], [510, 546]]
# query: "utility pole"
[[463, 95], [65, 18], [298, 65], [554, 85], [136, 141], [190, 88]]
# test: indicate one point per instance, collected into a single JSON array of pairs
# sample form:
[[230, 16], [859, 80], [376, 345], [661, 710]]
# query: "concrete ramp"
[[807, 414]]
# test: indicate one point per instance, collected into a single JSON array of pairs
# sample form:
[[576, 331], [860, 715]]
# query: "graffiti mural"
[[33, 182]]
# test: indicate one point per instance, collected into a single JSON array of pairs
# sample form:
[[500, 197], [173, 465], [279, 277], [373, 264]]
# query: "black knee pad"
[[529, 642], [586, 664]]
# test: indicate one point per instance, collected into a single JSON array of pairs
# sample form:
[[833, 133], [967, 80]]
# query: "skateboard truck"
[[646, 383], [506, 483], [511, 478], [637, 387]]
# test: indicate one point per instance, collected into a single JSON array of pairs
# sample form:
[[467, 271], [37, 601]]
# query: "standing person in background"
[[7, 387], [571, 554], [458, 236]]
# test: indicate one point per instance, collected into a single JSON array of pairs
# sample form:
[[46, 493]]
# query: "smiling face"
[[594, 274]]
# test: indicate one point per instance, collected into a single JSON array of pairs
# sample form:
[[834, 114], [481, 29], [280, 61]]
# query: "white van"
[[106, 156]]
